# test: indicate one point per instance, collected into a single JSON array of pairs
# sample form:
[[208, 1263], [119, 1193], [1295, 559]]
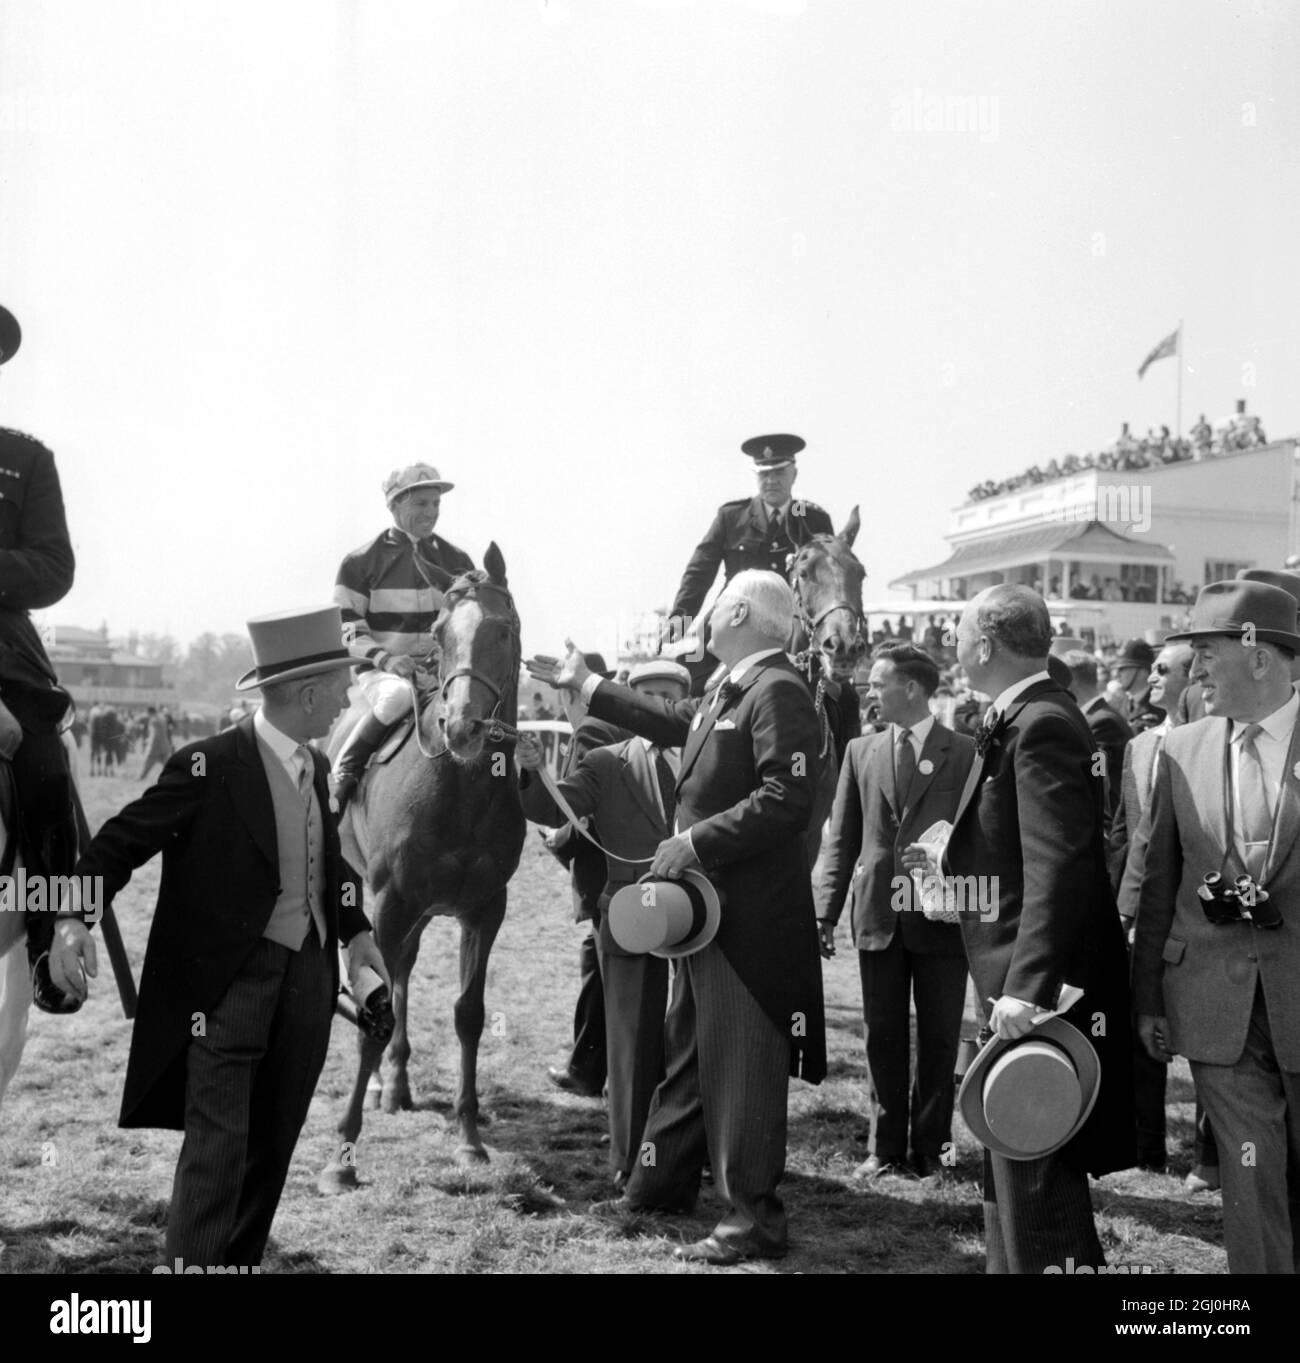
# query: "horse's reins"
[[809, 658]]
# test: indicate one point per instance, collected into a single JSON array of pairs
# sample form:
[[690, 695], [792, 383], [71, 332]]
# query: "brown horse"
[[826, 642], [438, 831]]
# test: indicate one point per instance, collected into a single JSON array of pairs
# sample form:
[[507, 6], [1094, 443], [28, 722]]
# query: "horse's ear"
[[851, 528], [495, 564]]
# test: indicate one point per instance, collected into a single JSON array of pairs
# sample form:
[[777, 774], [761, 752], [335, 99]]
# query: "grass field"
[[80, 1195]]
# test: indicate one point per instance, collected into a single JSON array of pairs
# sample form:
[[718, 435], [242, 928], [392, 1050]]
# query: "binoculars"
[[1241, 902]]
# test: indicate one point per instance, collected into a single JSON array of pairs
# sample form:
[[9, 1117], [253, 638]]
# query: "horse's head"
[[477, 633], [827, 581]]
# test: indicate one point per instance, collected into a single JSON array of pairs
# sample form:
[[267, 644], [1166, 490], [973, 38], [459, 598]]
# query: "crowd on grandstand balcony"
[[1128, 453]]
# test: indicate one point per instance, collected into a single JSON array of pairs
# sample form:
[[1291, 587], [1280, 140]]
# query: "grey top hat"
[[294, 644]]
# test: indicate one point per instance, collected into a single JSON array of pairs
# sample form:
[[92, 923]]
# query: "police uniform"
[[36, 571], [742, 536]]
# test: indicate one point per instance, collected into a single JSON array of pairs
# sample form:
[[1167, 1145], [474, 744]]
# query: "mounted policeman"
[[389, 607], [36, 570], [751, 532]]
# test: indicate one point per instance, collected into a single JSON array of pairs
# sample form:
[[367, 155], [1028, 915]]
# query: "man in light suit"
[[1031, 819], [241, 972], [1169, 677], [1226, 994], [627, 790], [747, 1009], [893, 786]]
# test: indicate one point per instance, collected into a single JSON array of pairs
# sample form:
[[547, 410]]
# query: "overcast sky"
[[575, 252]]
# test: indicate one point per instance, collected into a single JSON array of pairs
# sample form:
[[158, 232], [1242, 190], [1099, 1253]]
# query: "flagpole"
[[1179, 432]]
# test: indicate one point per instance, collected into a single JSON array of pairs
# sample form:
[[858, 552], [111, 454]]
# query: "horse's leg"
[[397, 1085], [477, 933], [340, 1174]]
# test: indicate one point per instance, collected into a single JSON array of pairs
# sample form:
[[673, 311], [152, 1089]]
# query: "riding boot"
[[351, 762]]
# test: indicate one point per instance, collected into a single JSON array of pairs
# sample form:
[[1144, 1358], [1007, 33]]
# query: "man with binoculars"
[[1216, 963]]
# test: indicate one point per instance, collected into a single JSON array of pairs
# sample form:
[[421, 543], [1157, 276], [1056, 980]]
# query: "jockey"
[[388, 612], [36, 570]]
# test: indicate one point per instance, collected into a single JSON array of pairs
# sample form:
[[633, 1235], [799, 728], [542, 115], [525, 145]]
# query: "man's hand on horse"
[[362, 951], [528, 752], [673, 856], [73, 958], [565, 674]]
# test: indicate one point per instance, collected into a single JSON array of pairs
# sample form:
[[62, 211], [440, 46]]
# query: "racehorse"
[[437, 831], [826, 642], [108, 742]]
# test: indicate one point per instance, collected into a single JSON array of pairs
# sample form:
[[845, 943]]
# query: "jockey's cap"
[[413, 476]]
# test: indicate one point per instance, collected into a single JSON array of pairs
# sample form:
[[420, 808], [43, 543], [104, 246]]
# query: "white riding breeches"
[[389, 697]]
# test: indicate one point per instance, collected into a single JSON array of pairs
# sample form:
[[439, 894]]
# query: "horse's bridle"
[[808, 624], [469, 587]]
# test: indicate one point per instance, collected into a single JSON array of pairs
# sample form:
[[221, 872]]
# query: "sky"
[[574, 252]]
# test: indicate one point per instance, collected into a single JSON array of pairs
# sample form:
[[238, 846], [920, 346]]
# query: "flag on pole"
[[1167, 347]]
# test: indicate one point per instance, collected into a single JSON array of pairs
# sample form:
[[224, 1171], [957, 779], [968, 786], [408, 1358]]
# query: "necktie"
[[904, 765], [667, 783], [778, 527], [305, 771], [1256, 820]]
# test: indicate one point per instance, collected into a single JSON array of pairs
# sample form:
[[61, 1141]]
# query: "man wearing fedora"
[[389, 605], [627, 791], [893, 786], [585, 1071], [36, 571], [747, 1008], [1218, 979], [241, 972], [1031, 819]]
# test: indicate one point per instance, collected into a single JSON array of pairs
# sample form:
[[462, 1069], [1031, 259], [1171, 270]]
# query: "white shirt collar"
[[920, 731], [284, 747], [1277, 726], [745, 664], [1092, 704], [1015, 689]]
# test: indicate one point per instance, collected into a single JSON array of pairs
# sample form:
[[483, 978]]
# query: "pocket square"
[[725, 724]]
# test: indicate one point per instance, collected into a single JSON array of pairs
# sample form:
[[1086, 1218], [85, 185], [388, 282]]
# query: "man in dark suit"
[[241, 973], [627, 791], [587, 1066], [36, 571], [893, 786], [1216, 983], [747, 1009], [1030, 822], [1110, 732]]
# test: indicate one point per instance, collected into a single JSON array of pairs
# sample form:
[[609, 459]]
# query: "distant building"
[[93, 669], [1134, 544]]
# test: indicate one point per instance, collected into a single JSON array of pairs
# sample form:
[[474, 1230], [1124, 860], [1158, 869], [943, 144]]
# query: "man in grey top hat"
[[241, 973]]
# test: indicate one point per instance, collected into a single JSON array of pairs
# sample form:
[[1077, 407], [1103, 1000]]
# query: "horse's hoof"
[[471, 1155], [337, 1178], [397, 1100]]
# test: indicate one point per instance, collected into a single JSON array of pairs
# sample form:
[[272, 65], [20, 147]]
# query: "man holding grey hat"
[[627, 790], [389, 605], [241, 973]]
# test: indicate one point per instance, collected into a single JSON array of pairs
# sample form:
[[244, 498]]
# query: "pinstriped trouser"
[[725, 1093], [1037, 1215], [248, 1085]]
